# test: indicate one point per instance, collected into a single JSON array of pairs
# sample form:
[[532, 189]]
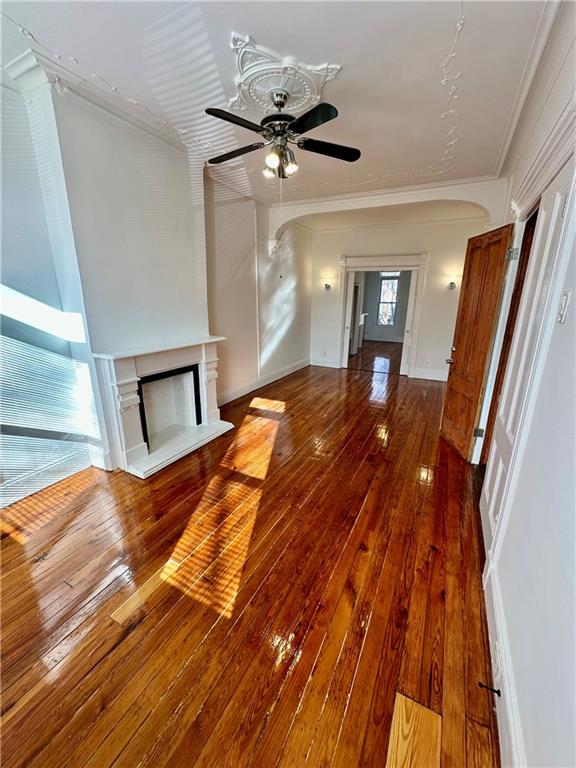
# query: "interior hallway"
[[260, 602], [380, 356]]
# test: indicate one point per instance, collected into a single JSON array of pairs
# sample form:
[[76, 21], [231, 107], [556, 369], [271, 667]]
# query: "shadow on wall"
[[278, 294], [232, 288]]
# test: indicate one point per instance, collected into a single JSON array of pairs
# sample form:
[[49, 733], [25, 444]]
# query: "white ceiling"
[[175, 58]]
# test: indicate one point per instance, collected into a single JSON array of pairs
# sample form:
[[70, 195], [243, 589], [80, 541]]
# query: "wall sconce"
[[327, 286], [451, 285]]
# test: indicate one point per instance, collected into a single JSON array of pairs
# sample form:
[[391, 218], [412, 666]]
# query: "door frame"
[[417, 264], [497, 497]]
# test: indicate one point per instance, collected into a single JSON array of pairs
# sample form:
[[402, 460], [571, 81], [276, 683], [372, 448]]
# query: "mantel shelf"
[[152, 350]]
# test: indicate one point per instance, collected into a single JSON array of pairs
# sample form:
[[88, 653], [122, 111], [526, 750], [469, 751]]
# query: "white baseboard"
[[324, 362], [511, 739], [428, 373], [232, 394]]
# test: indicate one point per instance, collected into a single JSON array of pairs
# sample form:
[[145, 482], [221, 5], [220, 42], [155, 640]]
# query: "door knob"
[[449, 360]]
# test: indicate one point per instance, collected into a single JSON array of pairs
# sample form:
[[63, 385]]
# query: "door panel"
[[525, 249], [482, 283], [537, 303]]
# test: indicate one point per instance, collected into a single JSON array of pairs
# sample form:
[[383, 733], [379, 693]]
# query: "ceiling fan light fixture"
[[289, 162], [273, 159], [268, 173]]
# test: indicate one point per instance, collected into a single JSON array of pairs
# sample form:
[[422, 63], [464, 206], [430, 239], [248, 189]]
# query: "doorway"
[[380, 327], [379, 313]]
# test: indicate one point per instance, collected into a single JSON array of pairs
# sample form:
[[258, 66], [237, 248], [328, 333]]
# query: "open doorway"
[[379, 312], [381, 303]]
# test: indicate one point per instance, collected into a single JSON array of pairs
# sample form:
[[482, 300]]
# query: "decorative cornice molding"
[[550, 159], [543, 29], [261, 71], [452, 220], [390, 191], [32, 70]]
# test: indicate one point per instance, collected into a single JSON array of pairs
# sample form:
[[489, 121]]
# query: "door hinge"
[[564, 206], [478, 432], [512, 254]]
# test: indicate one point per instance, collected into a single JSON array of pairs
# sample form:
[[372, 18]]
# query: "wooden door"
[[525, 249], [482, 283]]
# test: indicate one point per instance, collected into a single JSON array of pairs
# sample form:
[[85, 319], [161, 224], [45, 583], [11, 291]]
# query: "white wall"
[[284, 276], [445, 242], [232, 286], [536, 567], [376, 332], [258, 298], [130, 203]]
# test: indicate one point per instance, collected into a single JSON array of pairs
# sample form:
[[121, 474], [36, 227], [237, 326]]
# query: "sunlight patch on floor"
[[208, 560], [251, 451], [25, 517], [265, 404]]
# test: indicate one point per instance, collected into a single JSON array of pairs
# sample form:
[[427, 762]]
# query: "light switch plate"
[[563, 306]]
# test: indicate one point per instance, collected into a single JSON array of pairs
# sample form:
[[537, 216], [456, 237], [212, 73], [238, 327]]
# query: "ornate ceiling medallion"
[[262, 71]]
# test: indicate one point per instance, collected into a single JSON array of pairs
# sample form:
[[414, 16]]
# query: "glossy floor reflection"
[[378, 356], [271, 593]]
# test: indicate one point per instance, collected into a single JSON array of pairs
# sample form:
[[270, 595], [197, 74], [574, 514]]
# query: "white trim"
[[507, 708], [417, 264], [548, 162], [324, 362], [539, 41], [488, 192], [502, 495], [481, 219], [34, 69], [558, 269], [431, 374], [233, 394], [502, 322]]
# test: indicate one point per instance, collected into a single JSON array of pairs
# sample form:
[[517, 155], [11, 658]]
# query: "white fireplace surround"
[[173, 431]]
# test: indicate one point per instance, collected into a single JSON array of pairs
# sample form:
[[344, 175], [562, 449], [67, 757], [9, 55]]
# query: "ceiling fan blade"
[[236, 119], [339, 151], [236, 153], [316, 116]]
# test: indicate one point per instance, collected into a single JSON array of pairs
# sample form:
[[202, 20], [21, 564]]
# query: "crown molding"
[[545, 23], [552, 156], [411, 222], [489, 179], [32, 70]]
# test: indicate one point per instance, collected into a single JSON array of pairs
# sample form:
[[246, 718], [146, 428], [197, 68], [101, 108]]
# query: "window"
[[387, 301]]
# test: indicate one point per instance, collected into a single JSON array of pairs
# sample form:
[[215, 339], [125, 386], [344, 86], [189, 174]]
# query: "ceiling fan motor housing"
[[279, 98]]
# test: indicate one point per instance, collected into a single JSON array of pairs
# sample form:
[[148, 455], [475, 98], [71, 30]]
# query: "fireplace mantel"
[[121, 377], [139, 351]]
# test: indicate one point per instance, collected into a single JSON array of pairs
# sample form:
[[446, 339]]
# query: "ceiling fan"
[[281, 129]]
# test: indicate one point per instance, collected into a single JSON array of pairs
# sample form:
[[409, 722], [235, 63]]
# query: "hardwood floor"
[[258, 603], [381, 356]]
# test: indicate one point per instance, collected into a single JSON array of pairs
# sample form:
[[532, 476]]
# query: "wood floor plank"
[[274, 589], [479, 750], [415, 736]]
